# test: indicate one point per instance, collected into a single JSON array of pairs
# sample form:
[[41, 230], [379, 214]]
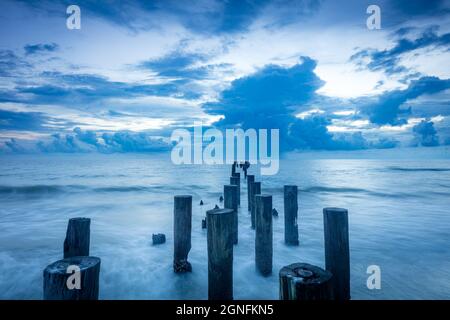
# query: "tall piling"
[[182, 227], [264, 234], [250, 180], [236, 180], [220, 254], [291, 215], [230, 202], [256, 189], [337, 251]]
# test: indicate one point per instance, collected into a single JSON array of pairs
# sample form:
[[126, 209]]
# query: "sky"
[[137, 70]]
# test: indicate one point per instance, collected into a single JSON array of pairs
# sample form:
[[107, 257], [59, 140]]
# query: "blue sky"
[[137, 70]]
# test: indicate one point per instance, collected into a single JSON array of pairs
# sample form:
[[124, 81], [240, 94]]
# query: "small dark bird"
[[274, 212], [201, 202], [216, 207], [221, 199]]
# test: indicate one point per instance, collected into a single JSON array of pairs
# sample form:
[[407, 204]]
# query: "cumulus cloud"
[[90, 141], [388, 60], [426, 134], [387, 107], [271, 97], [40, 48]]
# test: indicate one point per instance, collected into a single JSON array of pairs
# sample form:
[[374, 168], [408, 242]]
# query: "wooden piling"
[[60, 279], [233, 169], [220, 254], [337, 252], [77, 239], [230, 202], [182, 227], [302, 281], [255, 190], [264, 234], [250, 180], [290, 215], [237, 182]]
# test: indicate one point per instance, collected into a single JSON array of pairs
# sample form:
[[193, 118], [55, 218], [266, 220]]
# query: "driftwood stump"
[[60, 279], [302, 281]]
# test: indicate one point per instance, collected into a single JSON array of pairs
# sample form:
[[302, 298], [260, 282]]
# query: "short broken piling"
[[75, 278], [255, 189], [337, 252], [220, 254], [302, 281], [77, 241], [230, 202], [182, 226], [290, 215], [264, 234]]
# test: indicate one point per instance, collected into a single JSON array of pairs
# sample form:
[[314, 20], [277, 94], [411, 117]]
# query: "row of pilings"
[[76, 277]]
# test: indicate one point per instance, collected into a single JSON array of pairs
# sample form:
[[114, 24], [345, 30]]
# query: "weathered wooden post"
[[302, 281], [75, 278], [337, 252], [182, 226], [231, 195], [264, 235], [233, 169], [256, 189], [77, 237], [250, 180], [236, 180], [220, 254], [290, 215]]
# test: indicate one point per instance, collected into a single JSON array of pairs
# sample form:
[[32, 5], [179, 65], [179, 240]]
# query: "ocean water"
[[399, 219]]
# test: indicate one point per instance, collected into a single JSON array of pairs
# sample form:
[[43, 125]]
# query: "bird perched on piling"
[[216, 207], [201, 202], [221, 199], [274, 212]]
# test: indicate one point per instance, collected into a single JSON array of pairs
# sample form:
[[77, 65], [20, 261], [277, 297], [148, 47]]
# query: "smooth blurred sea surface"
[[398, 202]]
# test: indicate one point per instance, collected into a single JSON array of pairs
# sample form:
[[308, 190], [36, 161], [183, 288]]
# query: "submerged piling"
[[255, 189], [230, 202], [220, 254], [337, 252], [77, 239], [236, 180], [250, 180], [75, 278], [302, 281], [182, 227], [291, 215], [264, 234]]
